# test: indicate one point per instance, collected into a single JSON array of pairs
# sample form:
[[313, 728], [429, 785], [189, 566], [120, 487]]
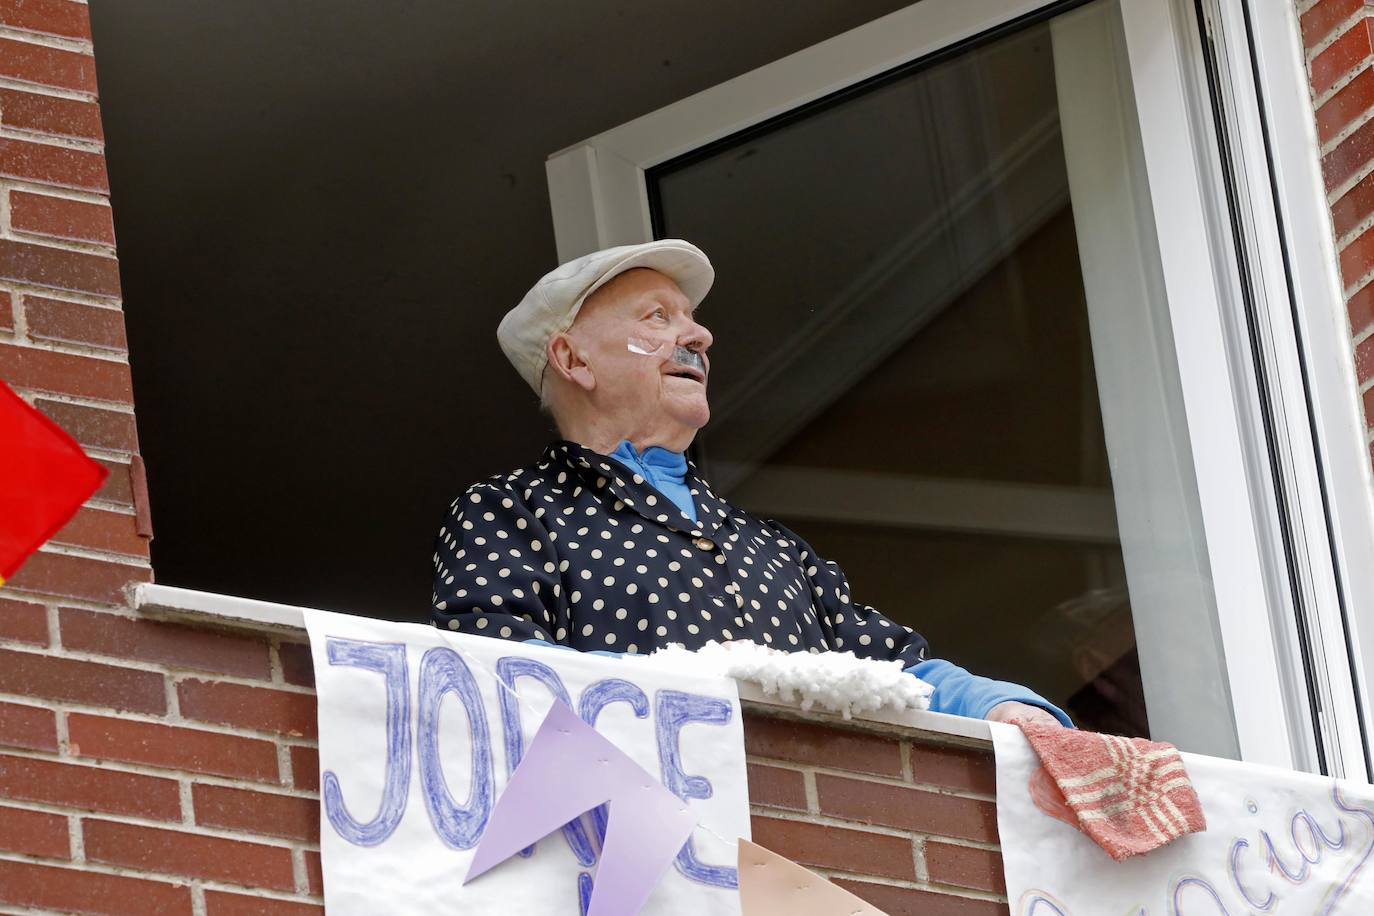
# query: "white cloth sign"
[[419, 734], [1277, 842]]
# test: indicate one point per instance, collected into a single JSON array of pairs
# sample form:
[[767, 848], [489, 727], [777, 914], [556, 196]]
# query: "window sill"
[[190, 606], [185, 604]]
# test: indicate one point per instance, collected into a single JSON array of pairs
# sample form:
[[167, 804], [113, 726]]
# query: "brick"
[[1344, 55], [63, 18], [37, 675], [1361, 308], [1364, 359], [63, 373], [965, 866], [59, 166], [249, 707], [23, 622], [954, 768], [821, 745], [101, 529], [314, 874], [775, 787], [71, 322], [29, 727], [93, 426], [1357, 258], [836, 847], [89, 788], [220, 903], [77, 577], [171, 644], [305, 768], [297, 666], [61, 218], [58, 268], [1369, 408], [910, 901], [265, 813], [117, 488], [138, 482], [171, 746], [907, 809], [6, 312], [47, 66], [1318, 22], [1354, 99], [71, 890], [1353, 207], [34, 833], [1349, 156], [49, 114], [191, 855]]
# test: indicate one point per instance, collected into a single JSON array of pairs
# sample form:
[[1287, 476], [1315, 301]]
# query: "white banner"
[[1277, 842], [418, 738]]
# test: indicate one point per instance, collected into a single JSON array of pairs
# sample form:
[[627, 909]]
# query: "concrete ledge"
[[188, 605], [166, 601], [912, 724]]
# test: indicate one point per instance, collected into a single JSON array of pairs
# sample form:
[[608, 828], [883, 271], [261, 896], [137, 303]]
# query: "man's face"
[[627, 331]]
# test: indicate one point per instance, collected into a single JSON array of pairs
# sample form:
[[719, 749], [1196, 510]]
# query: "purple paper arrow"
[[569, 769]]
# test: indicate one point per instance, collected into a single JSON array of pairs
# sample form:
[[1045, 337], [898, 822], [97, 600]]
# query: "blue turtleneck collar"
[[666, 470]]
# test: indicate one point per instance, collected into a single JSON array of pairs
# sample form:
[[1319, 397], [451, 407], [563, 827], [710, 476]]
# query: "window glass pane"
[[912, 372]]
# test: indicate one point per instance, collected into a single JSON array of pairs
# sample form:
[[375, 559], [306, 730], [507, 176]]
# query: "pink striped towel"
[[1130, 795]]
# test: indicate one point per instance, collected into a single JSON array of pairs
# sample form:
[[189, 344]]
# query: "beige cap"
[[551, 304]]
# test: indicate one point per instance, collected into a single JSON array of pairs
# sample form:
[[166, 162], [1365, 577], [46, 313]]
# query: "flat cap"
[[552, 304]]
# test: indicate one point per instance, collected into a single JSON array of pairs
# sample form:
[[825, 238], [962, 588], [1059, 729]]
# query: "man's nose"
[[696, 337]]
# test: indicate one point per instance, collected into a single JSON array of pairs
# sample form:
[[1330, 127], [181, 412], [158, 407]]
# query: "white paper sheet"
[[1277, 842], [381, 850]]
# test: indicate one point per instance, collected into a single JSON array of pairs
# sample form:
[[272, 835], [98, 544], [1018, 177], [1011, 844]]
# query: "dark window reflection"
[[903, 368]]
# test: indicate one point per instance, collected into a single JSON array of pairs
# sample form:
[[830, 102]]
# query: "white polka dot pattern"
[[574, 550]]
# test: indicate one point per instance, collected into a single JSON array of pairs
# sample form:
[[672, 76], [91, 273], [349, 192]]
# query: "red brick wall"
[[148, 765], [1339, 39], [907, 825], [152, 767], [62, 341]]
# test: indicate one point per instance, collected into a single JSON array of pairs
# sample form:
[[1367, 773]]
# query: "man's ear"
[[566, 360]]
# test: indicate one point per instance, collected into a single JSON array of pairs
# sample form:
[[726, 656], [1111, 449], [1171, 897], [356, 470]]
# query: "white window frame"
[[1310, 314], [599, 198]]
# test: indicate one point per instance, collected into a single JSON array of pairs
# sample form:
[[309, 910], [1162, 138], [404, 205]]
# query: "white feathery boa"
[[838, 682]]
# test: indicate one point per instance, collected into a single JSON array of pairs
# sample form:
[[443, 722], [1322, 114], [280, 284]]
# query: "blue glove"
[[961, 693]]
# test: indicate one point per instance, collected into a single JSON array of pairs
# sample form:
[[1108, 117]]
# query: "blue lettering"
[[389, 660], [1364, 813], [1207, 888], [675, 710], [1274, 861], [460, 826], [1236, 849], [510, 669], [584, 892], [595, 698]]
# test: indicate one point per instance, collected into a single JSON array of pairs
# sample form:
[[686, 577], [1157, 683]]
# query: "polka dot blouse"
[[580, 550]]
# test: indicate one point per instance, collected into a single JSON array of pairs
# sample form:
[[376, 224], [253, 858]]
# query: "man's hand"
[[1005, 712]]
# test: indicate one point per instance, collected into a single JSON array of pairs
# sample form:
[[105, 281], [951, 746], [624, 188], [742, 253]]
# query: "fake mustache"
[[680, 355], [689, 358]]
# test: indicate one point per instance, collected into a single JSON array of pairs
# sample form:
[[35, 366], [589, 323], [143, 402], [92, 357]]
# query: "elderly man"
[[612, 540]]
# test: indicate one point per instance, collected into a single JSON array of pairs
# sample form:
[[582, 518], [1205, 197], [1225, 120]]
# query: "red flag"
[[44, 479]]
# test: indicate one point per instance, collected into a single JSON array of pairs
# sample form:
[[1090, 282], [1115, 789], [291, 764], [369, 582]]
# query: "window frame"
[[1307, 310], [599, 198]]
